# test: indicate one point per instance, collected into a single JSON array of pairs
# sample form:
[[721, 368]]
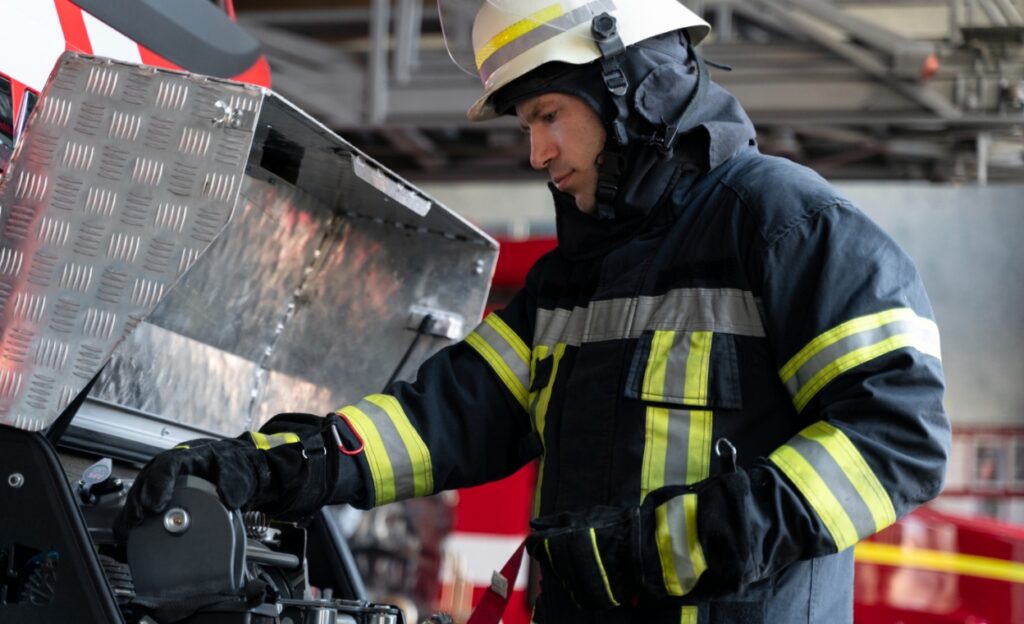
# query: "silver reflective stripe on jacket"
[[723, 310]]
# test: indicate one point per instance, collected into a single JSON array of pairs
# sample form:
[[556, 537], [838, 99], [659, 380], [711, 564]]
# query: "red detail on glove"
[[341, 445]]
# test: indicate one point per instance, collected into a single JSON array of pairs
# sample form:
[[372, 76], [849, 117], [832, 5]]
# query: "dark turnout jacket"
[[751, 303]]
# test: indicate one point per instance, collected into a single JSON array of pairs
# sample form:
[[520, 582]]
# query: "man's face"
[[566, 138]]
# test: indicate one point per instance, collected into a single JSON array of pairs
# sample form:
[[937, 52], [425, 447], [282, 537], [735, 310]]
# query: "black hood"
[[663, 75]]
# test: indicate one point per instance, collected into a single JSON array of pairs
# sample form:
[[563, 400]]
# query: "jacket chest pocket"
[[684, 378], [697, 369]]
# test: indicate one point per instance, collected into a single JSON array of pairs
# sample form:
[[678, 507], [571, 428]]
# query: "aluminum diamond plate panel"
[[225, 254], [126, 176]]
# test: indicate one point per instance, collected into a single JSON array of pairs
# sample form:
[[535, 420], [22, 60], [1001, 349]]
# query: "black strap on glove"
[[287, 469]]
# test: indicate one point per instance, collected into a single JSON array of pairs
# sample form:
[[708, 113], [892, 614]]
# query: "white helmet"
[[513, 37]]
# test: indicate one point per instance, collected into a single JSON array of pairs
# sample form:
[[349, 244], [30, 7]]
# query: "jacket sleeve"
[[462, 422], [857, 349]]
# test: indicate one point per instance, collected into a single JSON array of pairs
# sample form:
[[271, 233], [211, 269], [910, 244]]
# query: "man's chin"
[[586, 204]]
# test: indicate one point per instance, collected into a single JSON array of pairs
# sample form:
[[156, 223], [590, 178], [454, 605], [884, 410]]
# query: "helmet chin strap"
[[612, 160], [606, 34]]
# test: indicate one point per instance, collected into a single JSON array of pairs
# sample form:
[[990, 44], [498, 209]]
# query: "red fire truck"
[[195, 35]]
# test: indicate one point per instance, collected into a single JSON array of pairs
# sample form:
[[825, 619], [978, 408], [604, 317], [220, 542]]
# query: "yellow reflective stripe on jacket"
[[677, 448], [677, 442], [677, 451], [265, 442], [399, 460], [837, 482], [506, 353], [600, 567], [688, 615], [540, 413], [853, 343], [698, 365], [682, 558]]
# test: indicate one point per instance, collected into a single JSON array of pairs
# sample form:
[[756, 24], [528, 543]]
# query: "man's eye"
[[549, 117]]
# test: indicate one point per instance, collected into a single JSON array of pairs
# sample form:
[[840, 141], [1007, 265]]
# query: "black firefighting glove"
[[286, 470], [611, 556]]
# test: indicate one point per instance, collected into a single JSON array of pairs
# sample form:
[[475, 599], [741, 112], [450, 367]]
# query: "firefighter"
[[729, 373]]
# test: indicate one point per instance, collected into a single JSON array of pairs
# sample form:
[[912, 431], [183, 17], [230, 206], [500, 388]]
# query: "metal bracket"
[[444, 324], [232, 117]]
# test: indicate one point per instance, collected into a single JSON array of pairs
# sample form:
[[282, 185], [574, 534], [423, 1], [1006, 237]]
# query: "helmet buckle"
[[665, 139], [615, 80]]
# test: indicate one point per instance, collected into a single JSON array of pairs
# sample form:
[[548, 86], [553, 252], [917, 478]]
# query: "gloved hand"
[[610, 556], [287, 474]]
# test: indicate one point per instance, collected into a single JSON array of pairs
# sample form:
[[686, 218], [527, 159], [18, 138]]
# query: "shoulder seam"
[[772, 238], [787, 228]]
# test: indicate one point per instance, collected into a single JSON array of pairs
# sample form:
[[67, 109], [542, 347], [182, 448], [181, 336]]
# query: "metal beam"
[[407, 36], [377, 94], [807, 26], [323, 80]]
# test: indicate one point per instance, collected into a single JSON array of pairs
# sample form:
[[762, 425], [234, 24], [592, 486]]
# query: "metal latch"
[[441, 323]]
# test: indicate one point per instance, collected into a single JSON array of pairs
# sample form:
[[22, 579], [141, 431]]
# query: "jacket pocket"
[[697, 369], [683, 378]]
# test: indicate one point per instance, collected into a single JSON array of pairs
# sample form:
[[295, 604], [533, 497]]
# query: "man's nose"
[[542, 150]]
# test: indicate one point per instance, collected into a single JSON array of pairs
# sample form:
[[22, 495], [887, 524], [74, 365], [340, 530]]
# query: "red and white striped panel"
[[490, 523], [34, 33]]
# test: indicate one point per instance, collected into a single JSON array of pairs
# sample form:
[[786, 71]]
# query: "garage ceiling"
[[835, 85]]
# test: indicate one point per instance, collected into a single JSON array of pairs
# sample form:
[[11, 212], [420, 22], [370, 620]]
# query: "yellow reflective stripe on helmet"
[[837, 482], [679, 549], [600, 567], [506, 353], [265, 442], [853, 343], [399, 460], [535, 30], [517, 30]]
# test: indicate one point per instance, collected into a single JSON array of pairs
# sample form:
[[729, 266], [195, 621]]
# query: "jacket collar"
[[723, 130]]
